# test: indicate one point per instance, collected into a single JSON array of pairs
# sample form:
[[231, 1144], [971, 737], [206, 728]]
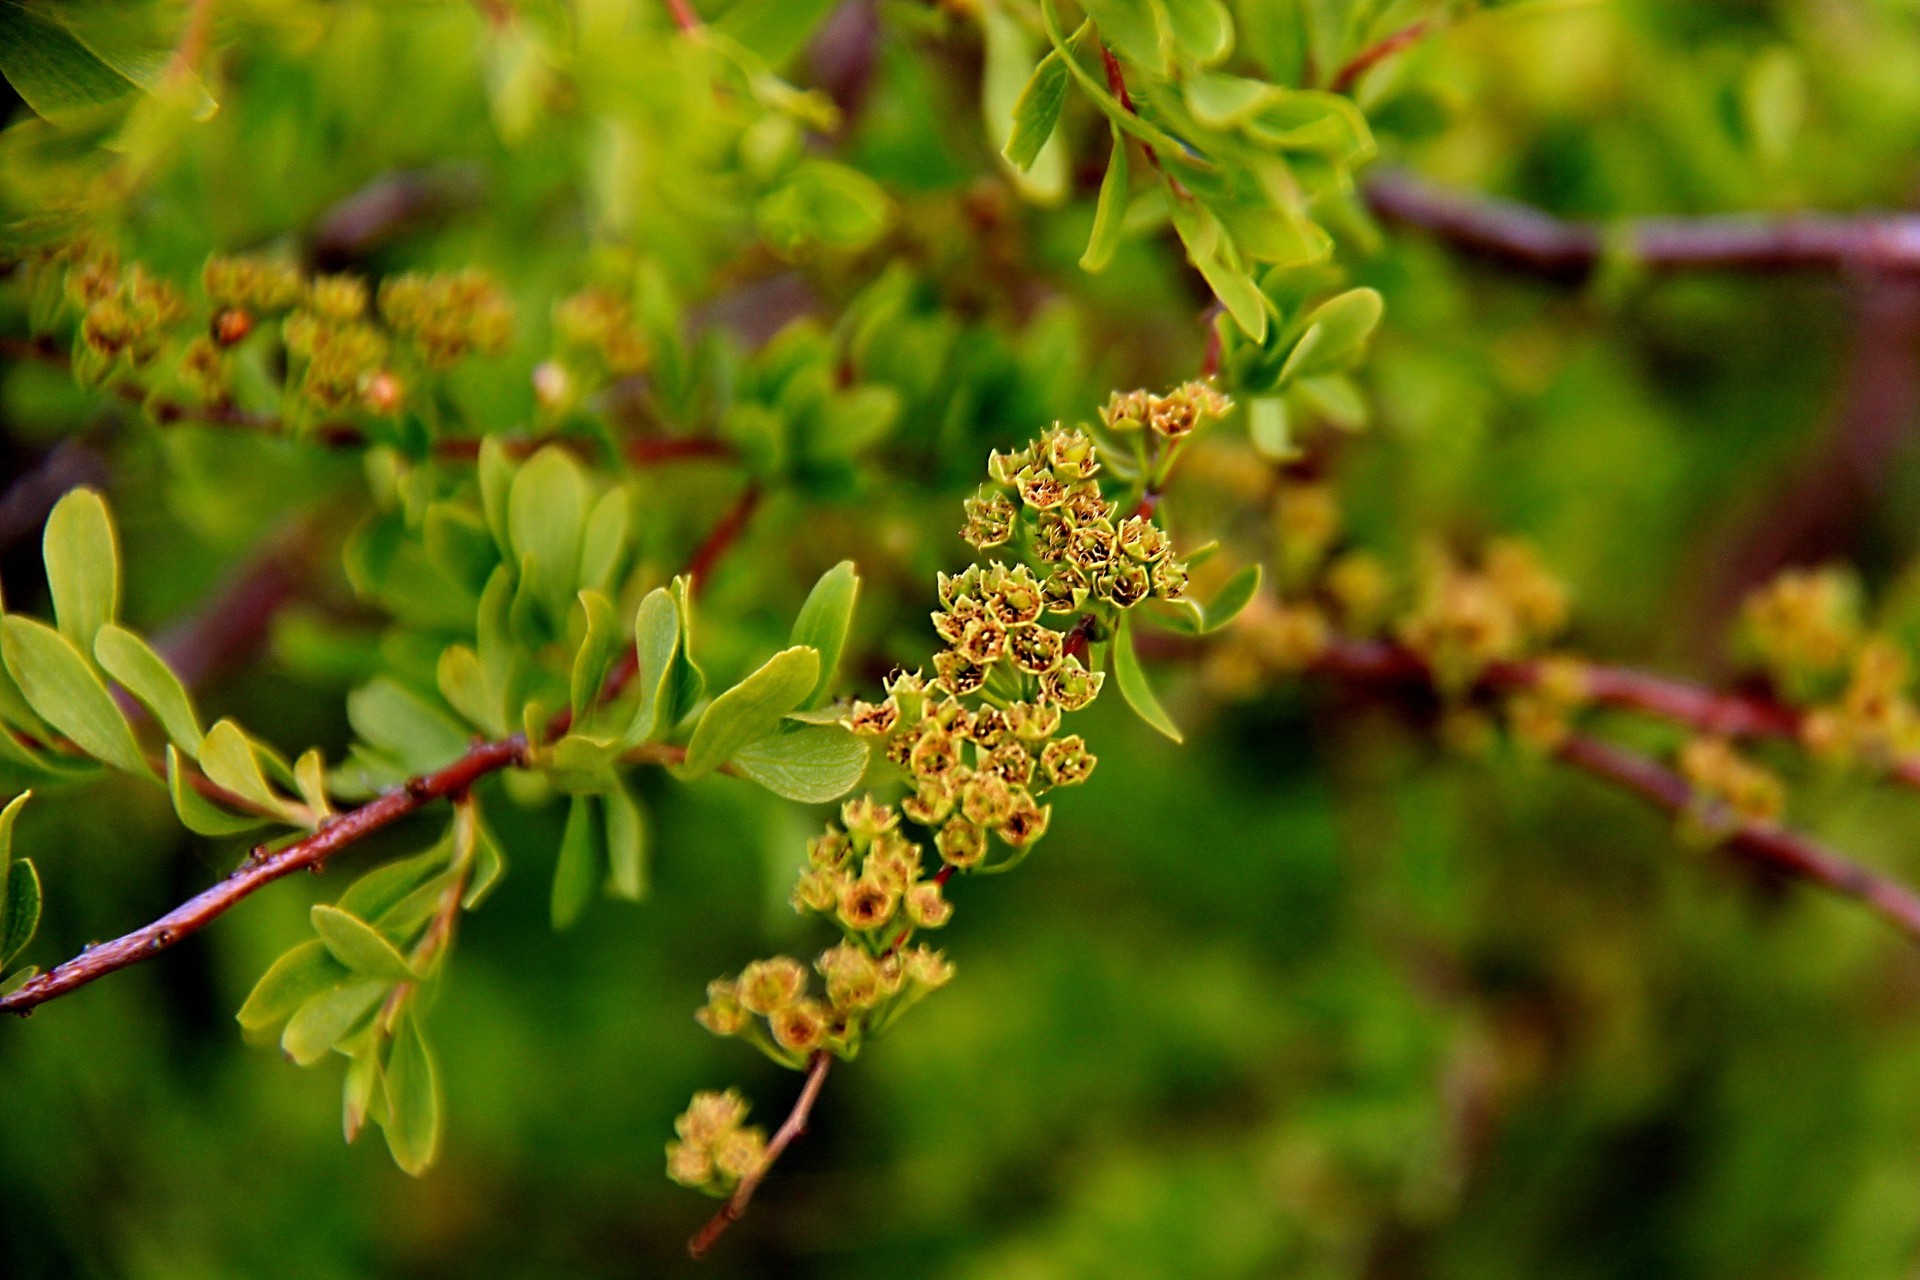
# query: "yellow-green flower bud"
[[1025, 822], [927, 907], [961, 843], [867, 904], [766, 986], [1066, 761]]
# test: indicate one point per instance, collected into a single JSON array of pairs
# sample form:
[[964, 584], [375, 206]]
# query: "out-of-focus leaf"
[[291, 981], [412, 1122], [327, 1017], [359, 946], [823, 622], [626, 833], [1110, 213], [578, 869]]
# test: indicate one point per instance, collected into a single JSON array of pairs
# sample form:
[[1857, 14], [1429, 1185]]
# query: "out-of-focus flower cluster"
[[715, 1148]]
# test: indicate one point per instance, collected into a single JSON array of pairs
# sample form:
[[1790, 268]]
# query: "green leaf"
[[656, 638], [199, 814], [546, 509], [489, 864], [131, 662], [230, 761], [1336, 398], [774, 29], [626, 833], [1037, 113], [1268, 429], [1336, 335], [328, 1017], [1133, 683], [1110, 213], [1222, 100], [8, 816], [62, 687], [582, 764], [382, 889], [578, 869], [1233, 596], [811, 765], [1202, 30], [1130, 26], [83, 566], [751, 709], [412, 1121], [495, 473], [595, 655], [51, 70], [359, 946], [604, 544], [462, 681], [393, 718], [291, 981], [823, 623], [310, 779], [20, 912], [363, 1080]]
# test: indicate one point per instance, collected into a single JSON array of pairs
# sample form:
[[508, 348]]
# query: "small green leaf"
[[1336, 335], [689, 680], [811, 765], [62, 687], [462, 681], [1037, 113], [49, 68], [310, 778], [231, 762], [393, 718], [1110, 213], [8, 816], [363, 1080], [546, 511], [412, 1122], [199, 814], [380, 890], [489, 864], [18, 978], [626, 845], [603, 547], [595, 655], [359, 946], [1267, 427], [131, 662], [328, 1017], [83, 566], [1202, 30], [582, 764], [824, 621], [1133, 683], [20, 912], [751, 709], [290, 982], [1233, 596], [656, 638], [495, 472], [774, 29], [578, 869]]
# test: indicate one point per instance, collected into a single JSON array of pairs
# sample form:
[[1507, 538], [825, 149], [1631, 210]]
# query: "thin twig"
[[1374, 54], [1526, 239], [725, 532], [683, 16], [796, 1124]]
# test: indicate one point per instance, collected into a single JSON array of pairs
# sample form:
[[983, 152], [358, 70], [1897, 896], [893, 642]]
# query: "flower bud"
[[961, 843], [1066, 761], [819, 890], [766, 986], [927, 907], [722, 1013], [865, 818], [1071, 455], [1026, 821], [800, 1027]]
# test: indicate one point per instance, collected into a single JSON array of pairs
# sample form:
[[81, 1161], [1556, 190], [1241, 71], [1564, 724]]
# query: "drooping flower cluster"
[[715, 1148]]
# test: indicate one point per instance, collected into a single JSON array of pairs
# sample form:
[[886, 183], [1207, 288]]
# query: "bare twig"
[[683, 16], [796, 1124], [1374, 54], [1526, 239], [725, 532]]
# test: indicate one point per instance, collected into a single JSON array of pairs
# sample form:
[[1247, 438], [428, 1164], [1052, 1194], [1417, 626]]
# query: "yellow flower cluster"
[[1465, 619], [447, 316], [1804, 626], [715, 1149], [1723, 778], [124, 314], [598, 324]]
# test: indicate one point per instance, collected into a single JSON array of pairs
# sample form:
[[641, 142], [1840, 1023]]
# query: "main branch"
[[1526, 239]]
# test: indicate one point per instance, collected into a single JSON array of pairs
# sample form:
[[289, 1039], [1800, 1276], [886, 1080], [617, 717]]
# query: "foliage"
[[579, 402]]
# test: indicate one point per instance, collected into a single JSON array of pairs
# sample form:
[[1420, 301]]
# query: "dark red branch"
[[262, 868], [1371, 56], [1525, 239], [796, 1124], [722, 536], [683, 16]]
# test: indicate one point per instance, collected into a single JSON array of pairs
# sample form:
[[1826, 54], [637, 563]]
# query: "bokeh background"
[[1310, 996]]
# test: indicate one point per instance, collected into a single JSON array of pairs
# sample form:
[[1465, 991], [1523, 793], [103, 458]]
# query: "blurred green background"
[[1307, 997]]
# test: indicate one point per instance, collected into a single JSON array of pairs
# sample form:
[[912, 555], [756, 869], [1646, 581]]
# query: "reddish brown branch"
[[683, 16], [1775, 848], [1526, 239], [720, 539], [1374, 54], [796, 1124], [262, 868]]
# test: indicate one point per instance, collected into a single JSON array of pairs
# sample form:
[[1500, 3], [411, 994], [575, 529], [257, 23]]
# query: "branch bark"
[[796, 1124], [1522, 238]]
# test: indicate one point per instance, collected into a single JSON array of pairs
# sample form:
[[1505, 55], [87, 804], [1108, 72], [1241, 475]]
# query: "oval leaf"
[[412, 1120], [359, 946], [1133, 683], [824, 621], [751, 709], [63, 689], [578, 868], [141, 672], [288, 983], [810, 765], [83, 566]]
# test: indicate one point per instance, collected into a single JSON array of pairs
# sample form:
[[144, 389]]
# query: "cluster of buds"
[[1803, 627], [1874, 720], [1466, 619], [1728, 787], [1045, 500], [447, 316], [342, 357], [1175, 415], [715, 1149], [598, 325], [242, 289], [124, 314]]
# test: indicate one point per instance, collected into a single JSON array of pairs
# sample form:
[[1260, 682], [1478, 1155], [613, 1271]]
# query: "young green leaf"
[[578, 869], [230, 761], [776, 30], [83, 566], [292, 980], [412, 1122], [811, 765], [751, 709], [1133, 683], [197, 813], [656, 638], [329, 1016], [626, 845], [462, 681], [1037, 112], [62, 688], [131, 662], [546, 512], [8, 816], [489, 864], [398, 721], [823, 623], [363, 1080], [603, 547], [595, 654], [51, 70], [20, 910], [359, 946], [1267, 428], [380, 890], [689, 679], [1336, 335], [1110, 213], [495, 473], [1233, 596]]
